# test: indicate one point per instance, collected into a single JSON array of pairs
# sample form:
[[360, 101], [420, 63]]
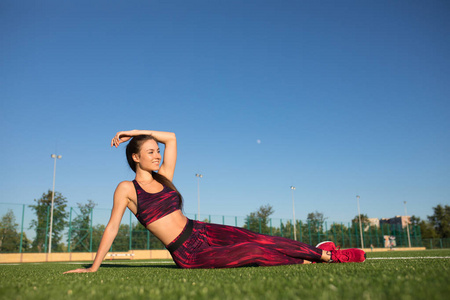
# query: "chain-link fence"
[[25, 228], [436, 243]]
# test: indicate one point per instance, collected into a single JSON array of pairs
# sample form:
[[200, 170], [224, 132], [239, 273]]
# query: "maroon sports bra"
[[152, 207]]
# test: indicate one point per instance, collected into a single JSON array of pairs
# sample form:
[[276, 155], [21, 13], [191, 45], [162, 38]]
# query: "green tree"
[[80, 231], [339, 232], [440, 220], [122, 240], [287, 230], [259, 219], [316, 220], [97, 233], [144, 239], [427, 231], [364, 221], [414, 221], [10, 235], [315, 226], [42, 222]]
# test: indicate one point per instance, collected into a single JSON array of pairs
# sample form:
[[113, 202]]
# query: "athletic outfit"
[[207, 245]]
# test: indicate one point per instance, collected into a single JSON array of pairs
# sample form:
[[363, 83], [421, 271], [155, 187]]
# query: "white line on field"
[[411, 257]]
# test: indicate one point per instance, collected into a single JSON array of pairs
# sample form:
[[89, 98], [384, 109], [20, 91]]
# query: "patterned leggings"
[[221, 246]]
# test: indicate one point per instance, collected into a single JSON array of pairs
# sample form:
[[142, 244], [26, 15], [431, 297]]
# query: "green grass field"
[[387, 275]]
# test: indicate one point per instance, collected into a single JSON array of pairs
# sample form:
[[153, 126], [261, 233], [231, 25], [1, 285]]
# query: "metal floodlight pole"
[[198, 194], [360, 225], [407, 225], [293, 212], [54, 156]]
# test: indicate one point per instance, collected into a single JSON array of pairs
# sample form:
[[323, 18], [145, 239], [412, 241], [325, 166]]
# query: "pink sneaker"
[[326, 246], [348, 255]]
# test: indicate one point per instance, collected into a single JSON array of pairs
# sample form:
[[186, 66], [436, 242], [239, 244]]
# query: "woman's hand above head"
[[83, 270], [167, 138], [122, 137]]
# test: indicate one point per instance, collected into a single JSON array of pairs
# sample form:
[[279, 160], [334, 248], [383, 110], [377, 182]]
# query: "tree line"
[[83, 236], [69, 233], [436, 226]]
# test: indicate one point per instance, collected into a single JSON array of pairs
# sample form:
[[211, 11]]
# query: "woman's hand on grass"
[[88, 270]]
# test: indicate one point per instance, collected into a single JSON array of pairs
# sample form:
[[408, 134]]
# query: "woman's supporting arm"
[[111, 230]]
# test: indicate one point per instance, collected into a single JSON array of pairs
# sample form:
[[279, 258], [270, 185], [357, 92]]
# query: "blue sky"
[[347, 98]]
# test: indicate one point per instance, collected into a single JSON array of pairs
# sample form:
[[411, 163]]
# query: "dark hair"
[[133, 147]]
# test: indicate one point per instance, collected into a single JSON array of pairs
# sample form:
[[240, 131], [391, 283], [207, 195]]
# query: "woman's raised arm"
[[167, 138], [110, 233]]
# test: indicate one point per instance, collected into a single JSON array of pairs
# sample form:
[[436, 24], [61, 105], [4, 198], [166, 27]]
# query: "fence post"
[[420, 235], [111, 248], [363, 235], [318, 232], [343, 236], [334, 233], [378, 240], [130, 231], [148, 240], [70, 230], [406, 238], [309, 232], [223, 220], [416, 231], [259, 219], [292, 230], [281, 227], [270, 226], [90, 230], [235, 221], [350, 235], [301, 231], [21, 229], [46, 229]]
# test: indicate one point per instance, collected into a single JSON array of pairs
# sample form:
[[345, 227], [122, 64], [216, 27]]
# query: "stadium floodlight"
[[293, 212], [54, 156], [360, 226], [407, 225], [198, 194]]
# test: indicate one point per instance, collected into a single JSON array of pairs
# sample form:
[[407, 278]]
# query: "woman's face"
[[149, 157]]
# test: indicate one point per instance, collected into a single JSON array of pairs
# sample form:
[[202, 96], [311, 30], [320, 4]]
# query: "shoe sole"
[[317, 246]]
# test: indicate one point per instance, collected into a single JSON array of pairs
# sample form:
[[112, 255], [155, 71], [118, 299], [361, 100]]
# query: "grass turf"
[[418, 278]]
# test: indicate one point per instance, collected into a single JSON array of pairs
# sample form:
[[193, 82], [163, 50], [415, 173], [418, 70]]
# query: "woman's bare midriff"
[[168, 227]]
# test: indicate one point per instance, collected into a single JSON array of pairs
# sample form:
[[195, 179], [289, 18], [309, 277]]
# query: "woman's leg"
[[235, 247], [239, 255], [221, 235]]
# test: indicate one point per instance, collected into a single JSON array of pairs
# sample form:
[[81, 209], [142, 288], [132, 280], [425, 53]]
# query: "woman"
[[155, 201]]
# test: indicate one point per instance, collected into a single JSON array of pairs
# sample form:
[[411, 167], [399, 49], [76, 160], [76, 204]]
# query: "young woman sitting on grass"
[[157, 204]]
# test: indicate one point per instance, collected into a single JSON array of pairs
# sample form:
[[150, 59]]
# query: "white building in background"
[[397, 220], [374, 222]]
